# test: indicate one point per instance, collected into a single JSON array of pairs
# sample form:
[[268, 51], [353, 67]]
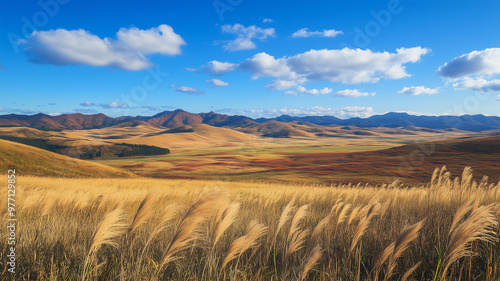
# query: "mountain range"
[[177, 118]]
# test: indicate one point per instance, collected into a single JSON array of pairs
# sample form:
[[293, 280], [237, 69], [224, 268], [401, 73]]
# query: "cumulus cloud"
[[290, 93], [187, 90], [304, 32], [314, 92], [280, 84], [216, 83], [244, 36], [191, 69], [113, 105], [344, 112], [484, 62], [87, 103], [267, 20], [80, 47], [354, 65], [354, 93], [418, 90], [263, 64], [218, 68], [349, 66], [478, 85]]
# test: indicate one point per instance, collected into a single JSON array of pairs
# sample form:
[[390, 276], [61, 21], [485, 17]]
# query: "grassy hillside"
[[200, 135], [28, 160]]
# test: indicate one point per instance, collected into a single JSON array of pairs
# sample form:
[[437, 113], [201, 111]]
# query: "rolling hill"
[[28, 160], [194, 136]]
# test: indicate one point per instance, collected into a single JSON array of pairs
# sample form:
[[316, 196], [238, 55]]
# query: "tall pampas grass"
[[161, 224], [299, 215], [343, 214], [285, 216], [481, 225], [107, 233], [466, 178], [249, 240], [319, 228], [143, 213], [312, 260], [402, 242], [190, 226], [226, 219], [372, 211]]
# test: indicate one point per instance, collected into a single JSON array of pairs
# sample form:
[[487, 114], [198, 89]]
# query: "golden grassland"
[[154, 229], [35, 161]]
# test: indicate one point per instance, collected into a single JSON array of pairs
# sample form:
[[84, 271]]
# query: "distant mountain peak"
[[179, 117]]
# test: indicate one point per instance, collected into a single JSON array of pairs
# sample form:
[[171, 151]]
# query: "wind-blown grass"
[[111, 229]]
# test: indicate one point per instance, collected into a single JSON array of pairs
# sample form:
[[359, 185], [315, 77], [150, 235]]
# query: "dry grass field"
[[157, 229], [34, 161]]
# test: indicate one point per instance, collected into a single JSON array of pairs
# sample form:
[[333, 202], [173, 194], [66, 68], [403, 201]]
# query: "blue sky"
[[256, 58]]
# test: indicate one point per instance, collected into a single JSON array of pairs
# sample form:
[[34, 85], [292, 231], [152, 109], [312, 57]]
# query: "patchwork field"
[[321, 161], [318, 155]]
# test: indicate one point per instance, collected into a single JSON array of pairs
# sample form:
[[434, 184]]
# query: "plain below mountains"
[[263, 126]]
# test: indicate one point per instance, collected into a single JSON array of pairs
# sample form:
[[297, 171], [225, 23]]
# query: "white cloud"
[[354, 65], [279, 84], [191, 69], [2, 109], [478, 85], [218, 68], [314, 92], [353, 93], [244, 36], [128, 51], [498, 97], [344, 112], [304, 32], [263, 64], [216, 83], [157, 40], [349, 66], [113, 105], [418, 90], [267, 20], [187, 90], [484, 62], [290, 93], [87, 103]]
